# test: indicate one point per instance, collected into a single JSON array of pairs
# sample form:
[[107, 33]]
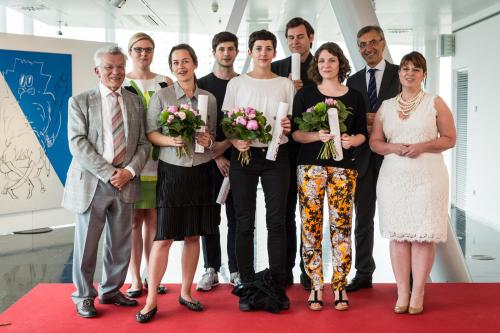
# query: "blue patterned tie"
[[372, 88]]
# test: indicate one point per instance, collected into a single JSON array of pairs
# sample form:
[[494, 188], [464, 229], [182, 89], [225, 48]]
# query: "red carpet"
[[448, 308]]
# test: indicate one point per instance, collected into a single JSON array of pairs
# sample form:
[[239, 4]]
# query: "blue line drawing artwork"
[[41, 84]]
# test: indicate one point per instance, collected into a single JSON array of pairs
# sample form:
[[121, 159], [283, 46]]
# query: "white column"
[[236, 16], [433, 66], [110, 34], [353, 15]]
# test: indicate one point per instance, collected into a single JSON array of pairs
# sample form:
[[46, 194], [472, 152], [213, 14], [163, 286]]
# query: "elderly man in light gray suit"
[[109, 148]]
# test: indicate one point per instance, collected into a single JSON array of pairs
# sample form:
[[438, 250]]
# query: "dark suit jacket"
[[389, 87]]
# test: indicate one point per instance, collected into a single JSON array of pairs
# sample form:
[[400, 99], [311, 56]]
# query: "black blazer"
[[389, 87]]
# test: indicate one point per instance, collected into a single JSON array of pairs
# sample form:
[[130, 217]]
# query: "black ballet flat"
[[134, 293], [193, 306], [146, 317], [161, 290]]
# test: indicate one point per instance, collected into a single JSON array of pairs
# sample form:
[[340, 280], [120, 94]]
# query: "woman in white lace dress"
[[411, 130]]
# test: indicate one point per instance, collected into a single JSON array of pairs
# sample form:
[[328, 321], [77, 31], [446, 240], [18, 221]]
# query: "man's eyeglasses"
[[143, 49], [372, 43]]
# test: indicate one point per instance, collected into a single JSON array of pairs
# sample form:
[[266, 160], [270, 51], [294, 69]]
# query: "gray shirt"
[[174, 95]]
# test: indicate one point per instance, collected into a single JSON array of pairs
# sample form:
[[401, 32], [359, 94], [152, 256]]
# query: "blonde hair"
[[137, 37]]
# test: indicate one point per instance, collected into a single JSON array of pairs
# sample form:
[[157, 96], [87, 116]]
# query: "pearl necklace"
[[407, 107]]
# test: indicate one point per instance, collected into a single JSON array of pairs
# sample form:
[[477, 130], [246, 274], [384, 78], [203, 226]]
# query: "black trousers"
[[365, 200], [211, 244], [274, 177]]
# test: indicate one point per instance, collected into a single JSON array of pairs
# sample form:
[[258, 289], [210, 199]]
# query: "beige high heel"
[[399, 309], [415, 311]]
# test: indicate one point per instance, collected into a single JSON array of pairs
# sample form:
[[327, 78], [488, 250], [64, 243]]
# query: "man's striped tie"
[[372, 89], [117, 124]]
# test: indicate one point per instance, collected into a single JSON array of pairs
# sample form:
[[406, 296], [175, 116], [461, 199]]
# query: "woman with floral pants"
[[316, 175]]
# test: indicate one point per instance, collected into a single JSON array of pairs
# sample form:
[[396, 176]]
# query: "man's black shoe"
[[359, 283], [86, 308], [305, 281], [119, 299]]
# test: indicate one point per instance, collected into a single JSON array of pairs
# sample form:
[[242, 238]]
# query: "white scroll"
[[333, 121], [295, 66], [274, 145], [202, 109], [224, 191]]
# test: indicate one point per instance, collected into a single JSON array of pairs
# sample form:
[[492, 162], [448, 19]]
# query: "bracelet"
[[211, 144]]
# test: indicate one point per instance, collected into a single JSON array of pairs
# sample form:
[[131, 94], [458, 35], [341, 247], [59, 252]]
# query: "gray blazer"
[[86, 146]]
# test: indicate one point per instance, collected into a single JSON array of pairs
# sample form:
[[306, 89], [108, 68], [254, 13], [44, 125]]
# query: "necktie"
[[118, 131], [372, 88]]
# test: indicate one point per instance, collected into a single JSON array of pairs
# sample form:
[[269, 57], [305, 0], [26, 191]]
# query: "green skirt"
[[148, 195]]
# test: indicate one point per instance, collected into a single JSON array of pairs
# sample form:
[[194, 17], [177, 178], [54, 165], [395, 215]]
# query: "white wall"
[[83, 78], [477, 49]]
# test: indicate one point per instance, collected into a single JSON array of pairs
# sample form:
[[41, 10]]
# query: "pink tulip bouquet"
[[246, 124], [181, 121], [316, 118]]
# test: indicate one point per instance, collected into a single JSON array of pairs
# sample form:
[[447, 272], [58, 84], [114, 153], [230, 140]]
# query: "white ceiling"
[[401, 19]]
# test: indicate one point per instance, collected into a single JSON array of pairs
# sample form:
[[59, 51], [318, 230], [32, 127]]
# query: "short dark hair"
[[334, 49], [416, 58], [261, 35], [368, 28], [298, 21], [222, 37], [186, 47]]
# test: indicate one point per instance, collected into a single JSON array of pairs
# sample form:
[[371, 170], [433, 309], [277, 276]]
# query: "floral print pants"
[[340, 185]]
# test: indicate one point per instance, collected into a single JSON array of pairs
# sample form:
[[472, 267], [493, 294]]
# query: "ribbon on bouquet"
[[274, 145], [202, 109]]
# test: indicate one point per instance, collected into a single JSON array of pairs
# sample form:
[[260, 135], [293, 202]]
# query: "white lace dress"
[[412, 193]]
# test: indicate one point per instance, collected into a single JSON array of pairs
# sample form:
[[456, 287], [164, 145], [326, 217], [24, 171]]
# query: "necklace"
[[405, 108]]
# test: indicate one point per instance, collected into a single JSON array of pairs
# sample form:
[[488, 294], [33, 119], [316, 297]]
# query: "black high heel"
[[146, 317], [315, 304], [341, 304]]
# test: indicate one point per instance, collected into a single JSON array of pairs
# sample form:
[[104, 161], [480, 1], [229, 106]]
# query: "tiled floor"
[[26, 260]]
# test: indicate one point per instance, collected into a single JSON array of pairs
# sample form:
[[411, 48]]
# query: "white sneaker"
[[208, 280], [235, 279]]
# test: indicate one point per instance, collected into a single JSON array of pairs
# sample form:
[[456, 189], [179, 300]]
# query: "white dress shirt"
[[108, 152], [379, 73]]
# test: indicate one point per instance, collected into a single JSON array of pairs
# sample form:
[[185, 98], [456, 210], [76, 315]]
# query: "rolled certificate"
[[295, 66], [274, 145], [224, 191], [202, 109], [333, 121]]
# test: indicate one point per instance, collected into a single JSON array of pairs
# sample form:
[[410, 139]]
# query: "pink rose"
[[173, 109], [230, 114], [330, 101], [310, 109], [252, 125], [181, 115], [185, 106], [170, 118], [241, 120]]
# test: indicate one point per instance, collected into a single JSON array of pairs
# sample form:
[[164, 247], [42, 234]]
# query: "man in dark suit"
[[300, 35], [377, 82], [109, 148]]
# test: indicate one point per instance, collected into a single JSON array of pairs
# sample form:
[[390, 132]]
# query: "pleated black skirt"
[[185, 199]]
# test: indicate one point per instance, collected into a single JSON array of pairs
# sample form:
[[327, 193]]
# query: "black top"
[[217, 87], [356, 124]]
